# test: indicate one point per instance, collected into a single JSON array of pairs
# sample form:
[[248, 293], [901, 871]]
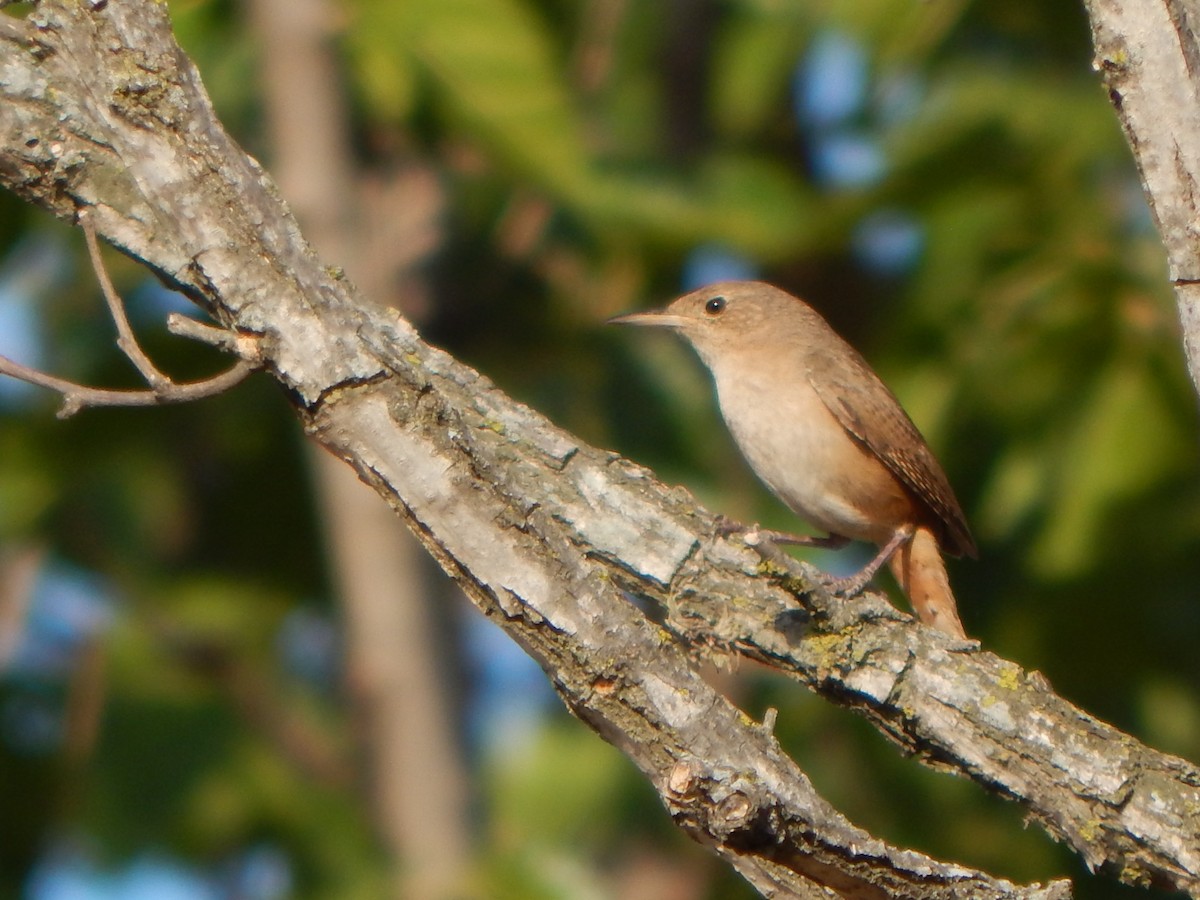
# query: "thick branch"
[[99, 108], [1149, 55]]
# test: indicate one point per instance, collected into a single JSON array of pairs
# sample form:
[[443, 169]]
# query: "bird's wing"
[[872, 415]]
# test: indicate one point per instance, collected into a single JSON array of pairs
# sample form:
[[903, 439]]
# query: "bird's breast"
[[803, 454]]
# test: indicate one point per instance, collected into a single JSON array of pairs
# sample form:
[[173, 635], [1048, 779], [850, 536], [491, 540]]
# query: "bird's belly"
[[813, 465]]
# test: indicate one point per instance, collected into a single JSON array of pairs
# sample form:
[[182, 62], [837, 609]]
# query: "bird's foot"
[[854, 584], [849, 586]]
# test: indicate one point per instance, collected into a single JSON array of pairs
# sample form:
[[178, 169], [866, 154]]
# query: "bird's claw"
[[850, 586]]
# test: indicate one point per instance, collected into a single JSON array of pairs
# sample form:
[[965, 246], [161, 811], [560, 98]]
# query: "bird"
[[826, 436]]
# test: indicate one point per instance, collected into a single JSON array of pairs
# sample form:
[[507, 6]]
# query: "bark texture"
[[100, 109], [1149, 56]]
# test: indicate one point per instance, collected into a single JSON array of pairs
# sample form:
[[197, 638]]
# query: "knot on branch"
[[731, 807]]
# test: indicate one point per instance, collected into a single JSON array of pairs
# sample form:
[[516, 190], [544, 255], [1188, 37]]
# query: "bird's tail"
[[919, 568]]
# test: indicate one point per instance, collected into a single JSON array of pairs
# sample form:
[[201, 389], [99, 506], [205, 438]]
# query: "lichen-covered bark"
[[541, 529], [100, 109]]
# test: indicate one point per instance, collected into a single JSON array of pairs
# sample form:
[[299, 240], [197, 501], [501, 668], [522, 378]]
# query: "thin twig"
[[126, 340], [79, 396], [162, 389], [238, 343]]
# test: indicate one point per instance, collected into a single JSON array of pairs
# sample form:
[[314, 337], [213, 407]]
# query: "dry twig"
[[162, 389]]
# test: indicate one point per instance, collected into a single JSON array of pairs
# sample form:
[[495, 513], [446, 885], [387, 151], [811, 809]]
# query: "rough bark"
[[1149, 55], [100, 109]]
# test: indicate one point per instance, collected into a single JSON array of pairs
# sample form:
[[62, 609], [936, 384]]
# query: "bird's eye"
[[715, 306]]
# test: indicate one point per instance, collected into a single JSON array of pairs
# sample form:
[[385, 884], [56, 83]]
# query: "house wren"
[[826, 436]]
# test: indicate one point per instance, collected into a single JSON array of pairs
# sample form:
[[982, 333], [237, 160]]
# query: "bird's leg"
[[828, 542], [753, 534], [853, 584]]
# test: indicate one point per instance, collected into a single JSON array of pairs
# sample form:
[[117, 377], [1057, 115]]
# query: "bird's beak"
[[659, 318]]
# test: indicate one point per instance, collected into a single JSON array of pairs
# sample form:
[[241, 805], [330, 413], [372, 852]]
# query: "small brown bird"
[[826, 436]]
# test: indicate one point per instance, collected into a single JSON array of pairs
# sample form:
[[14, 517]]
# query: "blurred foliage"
[[593, 153]]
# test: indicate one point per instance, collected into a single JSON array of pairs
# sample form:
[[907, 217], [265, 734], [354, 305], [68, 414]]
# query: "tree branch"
[[126, 339], [162, 389], [101, 109], [1149, 56], [79, 396]]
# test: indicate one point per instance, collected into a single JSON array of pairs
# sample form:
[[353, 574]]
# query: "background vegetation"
[[945, 181]]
